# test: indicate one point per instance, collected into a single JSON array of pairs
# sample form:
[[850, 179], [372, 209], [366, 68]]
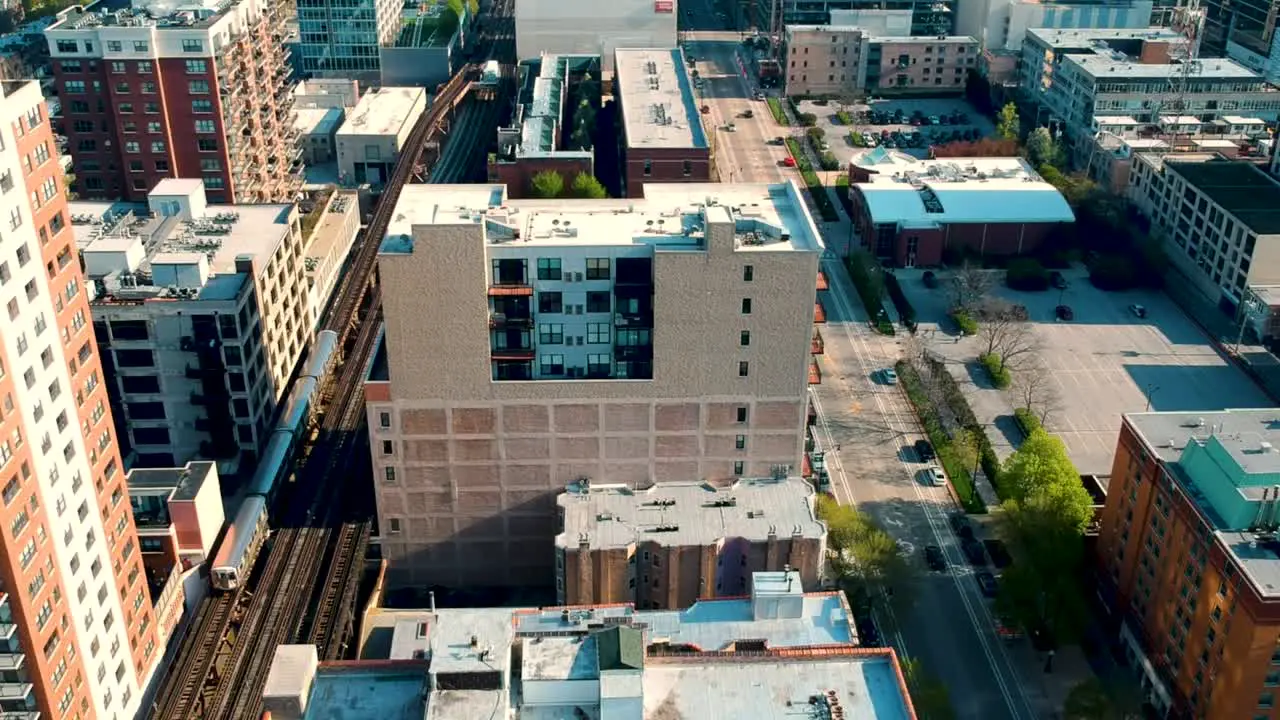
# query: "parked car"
[[935, 476], [960, 525], [973, 552], [1138, 310], [930, 279], [748, 113], [998, 552], [1057, 280], [758, 95], [1064, 313], [924, 450], [788, 161], [987, 583], [889, 376], [934, 558], [778, 141]]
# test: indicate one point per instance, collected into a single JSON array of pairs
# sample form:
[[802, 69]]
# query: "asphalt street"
[[949, 626]]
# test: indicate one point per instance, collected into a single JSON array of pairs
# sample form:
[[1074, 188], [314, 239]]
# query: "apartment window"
[[114, 46], [384, 420], [393, 526], [748, 273], [198, 87], [192, 46], [550, 302], [743, 368], [144, 67], [197, 67], [552, 364], [598, 268], [206, 126], [648, 168], [744, 338], [201, 106], [738, 467], [390, 474], [688, 168], [140, 46], [132, 147], [599, 333], [599, 302], [157, 146], [154, 127], [746, 306], [740, 442], [388, 447], [68, 46], [122, 88], [742, 414], [548, 268], [74, 86], [118, 67], [551, 334], [206, 144]]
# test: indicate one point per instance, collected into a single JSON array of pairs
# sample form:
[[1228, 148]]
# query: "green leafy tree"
[[965, 448], [1042, 149], [547, 184], [456, 10], [1040, 462], [473, 7], [867, 558], [929, 696], [1008, 125], [585, 185]]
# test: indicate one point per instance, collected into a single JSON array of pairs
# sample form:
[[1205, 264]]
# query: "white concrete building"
[[79, 630], [369, 142], [202, 311], [588, 27], [1001, 25], [327, 238]]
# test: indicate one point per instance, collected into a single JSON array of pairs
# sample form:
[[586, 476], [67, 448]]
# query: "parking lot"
[[1102, 364], [909, 125]]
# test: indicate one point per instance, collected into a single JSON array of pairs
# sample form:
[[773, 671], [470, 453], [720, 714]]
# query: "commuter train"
[[248, 530]]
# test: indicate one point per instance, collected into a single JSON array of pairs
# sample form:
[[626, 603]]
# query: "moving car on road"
[[934, 475], [924, 450], [987, 582], [960, 525], [890, 376], [934, 558]]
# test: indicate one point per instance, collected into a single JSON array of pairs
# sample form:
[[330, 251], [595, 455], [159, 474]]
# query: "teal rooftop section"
[[1228, 465], [386, 692], [544, 85]]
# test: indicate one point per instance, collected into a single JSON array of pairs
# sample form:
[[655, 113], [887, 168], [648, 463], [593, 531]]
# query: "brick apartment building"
[[912, 211], [670, 545], [532, 344], [80, 629], [149, 93], [663, 137], [1189, 561]]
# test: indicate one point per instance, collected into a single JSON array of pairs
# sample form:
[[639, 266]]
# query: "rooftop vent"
[[1266, 447]]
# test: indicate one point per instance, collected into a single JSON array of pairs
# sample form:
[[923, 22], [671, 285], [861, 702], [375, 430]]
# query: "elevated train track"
[[306, 580]]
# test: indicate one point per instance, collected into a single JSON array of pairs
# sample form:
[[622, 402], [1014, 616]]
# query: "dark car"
[[934, 558], [987, 582], [924, 450], [973, 552], [1064, 312], [960, 524], [999, 553], [930, 279], [1057, 280]]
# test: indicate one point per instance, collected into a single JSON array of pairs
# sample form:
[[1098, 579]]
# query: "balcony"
[[815, 372], [819, 313], [512, 354], [632, 320], [504, 320], [510, 288], [817, 345], [624, 353]]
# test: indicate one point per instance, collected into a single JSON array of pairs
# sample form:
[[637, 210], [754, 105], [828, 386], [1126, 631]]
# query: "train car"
[[240, 545], [274, 465], [324, 354], [297, 404]]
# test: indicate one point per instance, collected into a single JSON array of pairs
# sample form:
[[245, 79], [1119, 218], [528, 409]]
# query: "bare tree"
[[1005, 333], [969, 285], [1036, 391]]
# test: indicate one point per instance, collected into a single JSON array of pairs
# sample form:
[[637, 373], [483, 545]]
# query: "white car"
[[935, 476]]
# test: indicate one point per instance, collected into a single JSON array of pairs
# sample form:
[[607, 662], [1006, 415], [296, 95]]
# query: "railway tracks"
[[305, 589]]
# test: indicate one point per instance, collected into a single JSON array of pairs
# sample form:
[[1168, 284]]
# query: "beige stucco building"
[[533, 343], [856, 60]]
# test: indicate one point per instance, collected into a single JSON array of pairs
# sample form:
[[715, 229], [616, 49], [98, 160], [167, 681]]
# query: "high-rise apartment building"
[[340, 38], [530, 344], [1190, 563], [201, 312], [75, 613], [152, 90]]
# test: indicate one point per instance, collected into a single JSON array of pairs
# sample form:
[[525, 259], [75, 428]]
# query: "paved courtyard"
[[1104, 363], [838, 134]]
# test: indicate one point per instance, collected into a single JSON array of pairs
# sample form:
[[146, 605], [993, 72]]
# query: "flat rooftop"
[[767, 217], [1238, 186], [318, 121], [331, 227], [658, 106], [1085, 37], [384, 111], [1226, 463], [926, 193], [681, 514], [866, 684], [386, 691], [1120, 67], [158, 14], [184, 482], [130, 239], [431, 25]]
